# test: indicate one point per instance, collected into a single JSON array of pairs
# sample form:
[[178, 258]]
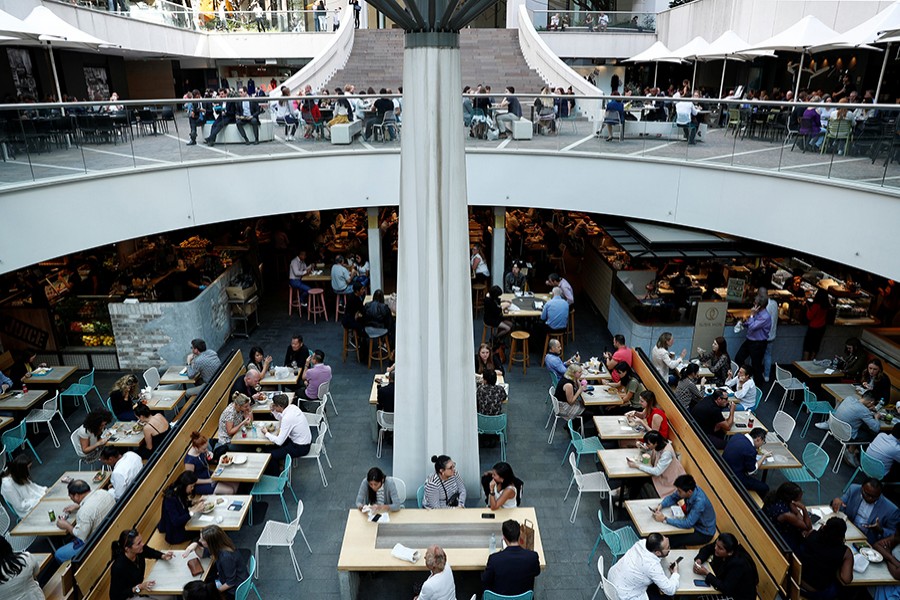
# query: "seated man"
[[381, 107], [886, 448], [698, 513], [864, 505], [202, 366], [225, 112], [247, 112], [555, 315], [354, 309], [640, 569], [6, 383], [513, 108], [860, 415], [511, 571], [125, 468], [741, 456], [248, 384], [315, 373], [685, 111], [708, 414], [341, 277], [386, 394], [298, 270], [90, 508], [622, 353], [293, 438], [554, 361], [296, 353], [515, 279], [567, 293]]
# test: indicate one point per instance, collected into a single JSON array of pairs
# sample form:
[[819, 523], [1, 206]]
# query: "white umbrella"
[[729, 45], [806, 33], [869, 32], [689, 52], [13, 28], [654, 54], [56, 32]]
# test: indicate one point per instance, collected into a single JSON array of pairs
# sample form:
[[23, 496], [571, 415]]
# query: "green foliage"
[[675, 3]]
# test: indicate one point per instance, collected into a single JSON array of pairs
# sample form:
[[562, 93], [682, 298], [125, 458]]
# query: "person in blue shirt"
[[553, 360], [6, 383], [741, 455], [698, 513], [865, 507], [555, 314]]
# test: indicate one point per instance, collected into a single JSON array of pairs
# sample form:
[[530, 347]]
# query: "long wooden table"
[[687, 577], [816, 372], [222, 515], [524, 305], [741, 422], [875, 574], [249, 472], [17, 400], [123, 434], [165, 399], [616, 428], [463, 534], [38, 522], [781, 458], [641, 512], [824, 512], [171, 575], [265, 408], [54, 376], [173, 376], [272, 380], [602, 395], [839, 391], [60, 490], [254, 434]]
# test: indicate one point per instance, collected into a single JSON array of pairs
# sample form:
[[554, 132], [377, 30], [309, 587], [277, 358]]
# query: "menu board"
[[709, 323], [735, 292]]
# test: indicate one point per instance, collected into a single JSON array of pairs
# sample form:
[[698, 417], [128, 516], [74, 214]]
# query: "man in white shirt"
[[440, 584], [641, 567], [298, 270], [293, 438], [685, 112], [92, 508], [886, 448], [125, 468]]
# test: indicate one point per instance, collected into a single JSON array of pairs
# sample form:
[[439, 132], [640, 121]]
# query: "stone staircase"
[[489, 56]]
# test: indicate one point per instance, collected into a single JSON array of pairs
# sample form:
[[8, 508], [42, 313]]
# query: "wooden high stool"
[[570, 326], [316, 304], [378, 350], [294, 301], [478, 292], [487, 329], [351, 340], [519, 345], [340, 304], [556, 335]]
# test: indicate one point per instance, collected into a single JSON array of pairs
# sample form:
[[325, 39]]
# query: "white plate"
[[871, 555], [238, 460]]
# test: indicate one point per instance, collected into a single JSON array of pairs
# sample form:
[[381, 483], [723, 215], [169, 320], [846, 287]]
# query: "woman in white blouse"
[[664, 360], [18, 571], [18, 489]]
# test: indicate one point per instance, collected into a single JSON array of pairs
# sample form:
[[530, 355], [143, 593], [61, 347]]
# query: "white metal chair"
[[276, 533], [4, 521], [843, 433], [82, 457], [324, 395], [783, 424], [317, 450], [609, 590], [151, 377], [19, 543], [788, 383], [318, 417], [51, 408], [556, 416], [385, 423], [734, 368], [602, 576], [401, 489], [592, 482]]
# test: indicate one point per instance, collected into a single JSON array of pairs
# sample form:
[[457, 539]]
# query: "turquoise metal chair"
[[81, 390], [420, 496], [740, 407], [494, 425], [489, 595], [269, 485], [581, 445], [868, 465], [108, 406], [17, 437], [815, 461], [618, 541], [813, 406], [243, 590]]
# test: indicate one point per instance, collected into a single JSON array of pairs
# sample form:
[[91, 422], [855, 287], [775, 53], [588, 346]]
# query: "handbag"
[[195, 567], [526, 535]]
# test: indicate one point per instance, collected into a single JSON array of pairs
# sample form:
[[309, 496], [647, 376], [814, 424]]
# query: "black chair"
[[166, 114], [804, 139]]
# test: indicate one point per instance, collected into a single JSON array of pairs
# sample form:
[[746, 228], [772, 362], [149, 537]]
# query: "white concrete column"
[[435, 398], [498, 248], [512, 13], [376, 265]]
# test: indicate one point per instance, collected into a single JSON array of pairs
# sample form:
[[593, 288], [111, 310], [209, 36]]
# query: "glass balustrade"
[[57, 142], [594, 21]]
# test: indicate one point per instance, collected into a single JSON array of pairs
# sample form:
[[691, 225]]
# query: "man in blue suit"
[[864, 505], [512, 571], [741, 455]]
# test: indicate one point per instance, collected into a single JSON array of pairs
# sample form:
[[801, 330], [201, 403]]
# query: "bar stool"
[[339, 305], [478, 292], [488, 329], [348, 343], [377, 350], [294, 301], [519, 345], [316, 304], [556, 335], [570, 326]]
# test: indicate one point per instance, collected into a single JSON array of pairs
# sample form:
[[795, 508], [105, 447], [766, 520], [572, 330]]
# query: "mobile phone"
[[651, 509], [489, 515], [376, 518], [700, 583], [679, 559]]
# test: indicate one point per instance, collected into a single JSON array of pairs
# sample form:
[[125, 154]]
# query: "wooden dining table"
[[614, 462], [229, 513], [602, 395], [38, 523], [254, 435], [174, 376], [4, 421], [17, 400], [59, 489], [280, 382], [616, 427], [164, 400], [817, 372], [641, 512], [171, 575], [51, 376], [525, 307], [687, 579], [123, 434], [248, 472], [741, 422], [781, 458], [824, 512], [264, 408]]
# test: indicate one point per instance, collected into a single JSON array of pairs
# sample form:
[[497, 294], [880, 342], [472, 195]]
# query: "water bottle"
[[493, 546], [879, 406]]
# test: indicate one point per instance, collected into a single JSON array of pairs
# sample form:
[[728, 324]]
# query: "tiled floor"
[[568, 574]]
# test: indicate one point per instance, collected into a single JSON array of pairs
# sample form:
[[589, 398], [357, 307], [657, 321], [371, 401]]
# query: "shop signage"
[[709, 324]]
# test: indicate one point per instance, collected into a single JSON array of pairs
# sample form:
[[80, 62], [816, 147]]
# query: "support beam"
[[376, 264]]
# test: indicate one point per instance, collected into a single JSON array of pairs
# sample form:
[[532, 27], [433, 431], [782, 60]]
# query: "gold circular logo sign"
[[712, 313]]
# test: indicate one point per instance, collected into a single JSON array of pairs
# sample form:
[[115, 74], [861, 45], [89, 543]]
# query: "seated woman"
[[90, 434], [259, 360], [19, 491], [630, 387], [501, 487], [876, 380], [23, 366], [489, 397], [569, 391], [889, 548], [178, 505], [18, 571], [687, 392], [731, 570], [825, 548], [486, 360], [129, 566], [493, 313], [200, 590], [379, 492], [156, 426], [785, 508], [445, 488], [651, 417], [231, 567], [663, 466], [854, 360], [236, 415], [719, 361], [744, 388], [197, 460], [124, 395]]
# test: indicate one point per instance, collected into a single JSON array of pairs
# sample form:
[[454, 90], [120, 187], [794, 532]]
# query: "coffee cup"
[[645, 458]]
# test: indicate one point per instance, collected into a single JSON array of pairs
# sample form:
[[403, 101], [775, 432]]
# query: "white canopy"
[[730, 46], [806, 33], [655, 53], [890, 36], [13, 28], [866, 32], [53, 29], [690, 50]]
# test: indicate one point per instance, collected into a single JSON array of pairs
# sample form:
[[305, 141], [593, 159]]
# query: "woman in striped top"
[[444, 489]]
